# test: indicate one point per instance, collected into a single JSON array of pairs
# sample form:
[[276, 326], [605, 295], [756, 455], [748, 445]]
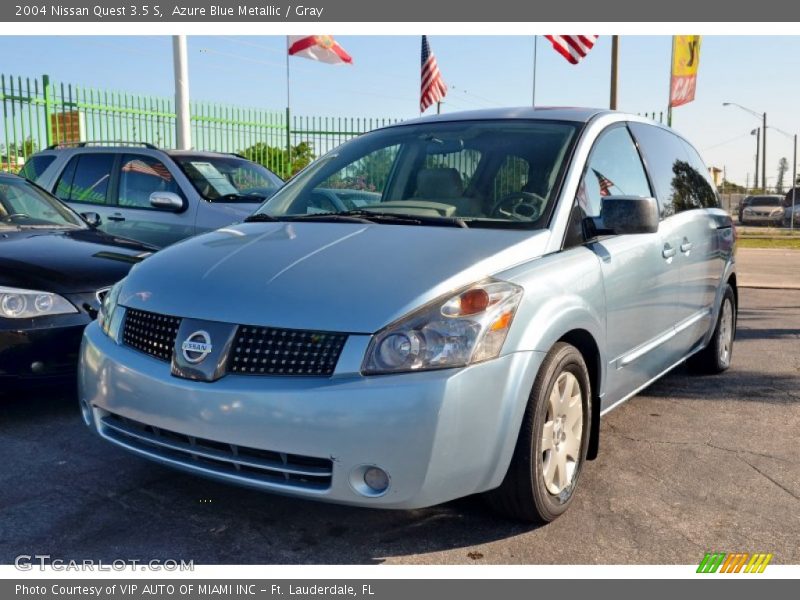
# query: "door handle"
[[686, 246], [116, 218], [668, 251]]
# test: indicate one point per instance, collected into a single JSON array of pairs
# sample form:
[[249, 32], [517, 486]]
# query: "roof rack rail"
[[100, 142]]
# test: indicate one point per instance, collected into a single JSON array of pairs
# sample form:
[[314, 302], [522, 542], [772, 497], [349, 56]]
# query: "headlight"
[[777, 211], [454, 331], [26, 304], [107, 308]]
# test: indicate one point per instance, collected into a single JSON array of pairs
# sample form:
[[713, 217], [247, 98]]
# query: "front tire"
[[716, 357], [552, 443]]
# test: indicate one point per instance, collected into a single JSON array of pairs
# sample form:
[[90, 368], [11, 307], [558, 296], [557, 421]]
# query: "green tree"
[[276, 159], [783, 167]]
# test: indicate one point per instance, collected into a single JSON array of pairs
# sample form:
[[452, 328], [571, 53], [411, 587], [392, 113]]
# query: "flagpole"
[[669, 94], [288, 172], [533, 91], [614, 71]]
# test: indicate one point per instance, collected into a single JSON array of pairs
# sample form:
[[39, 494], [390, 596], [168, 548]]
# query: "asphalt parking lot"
[[692, 464]]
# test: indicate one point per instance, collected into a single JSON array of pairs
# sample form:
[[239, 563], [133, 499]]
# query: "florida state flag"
[[318, 47]]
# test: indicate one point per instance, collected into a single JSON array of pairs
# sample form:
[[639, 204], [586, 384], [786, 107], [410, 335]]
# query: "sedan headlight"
[[26, 304], [107, 308], [453, 331]]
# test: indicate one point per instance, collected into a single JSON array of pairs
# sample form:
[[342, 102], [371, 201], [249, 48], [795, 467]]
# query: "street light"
[[762, 116], [794, 172]]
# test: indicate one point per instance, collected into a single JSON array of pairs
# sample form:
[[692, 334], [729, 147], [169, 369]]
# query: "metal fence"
[[38, 112]]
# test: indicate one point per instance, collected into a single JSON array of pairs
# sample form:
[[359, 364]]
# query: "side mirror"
[[92, 219], [166, 201], [622, 215]]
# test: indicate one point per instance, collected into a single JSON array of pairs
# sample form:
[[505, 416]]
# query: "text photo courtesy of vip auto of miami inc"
[[399, 299]]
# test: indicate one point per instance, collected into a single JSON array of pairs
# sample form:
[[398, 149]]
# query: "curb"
[[769, 286]]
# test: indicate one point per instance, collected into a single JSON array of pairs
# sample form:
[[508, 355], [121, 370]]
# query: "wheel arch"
[[585, 343]]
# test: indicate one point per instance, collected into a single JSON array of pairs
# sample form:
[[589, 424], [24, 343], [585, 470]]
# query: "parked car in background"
[[788, 212], [742, 205], [511, 276], [763, 210], [151, 195], [54, 268]]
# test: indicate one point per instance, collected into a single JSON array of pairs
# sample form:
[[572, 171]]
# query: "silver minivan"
[[154, 196], [505, 278]]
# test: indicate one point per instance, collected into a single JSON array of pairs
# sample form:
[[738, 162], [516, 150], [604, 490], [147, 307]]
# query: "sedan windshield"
[[228, 178], [25, 205], [475, 173], [767, 201]]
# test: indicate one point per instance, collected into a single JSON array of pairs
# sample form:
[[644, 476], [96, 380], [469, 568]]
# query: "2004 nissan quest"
[[500, 280]]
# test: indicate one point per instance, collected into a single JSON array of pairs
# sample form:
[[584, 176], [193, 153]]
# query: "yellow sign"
[[685, 62]]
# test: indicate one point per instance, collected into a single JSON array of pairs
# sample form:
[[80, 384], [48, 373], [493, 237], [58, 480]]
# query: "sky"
[[481, 72]]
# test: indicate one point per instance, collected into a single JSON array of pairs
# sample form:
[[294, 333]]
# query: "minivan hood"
[[347, 277]]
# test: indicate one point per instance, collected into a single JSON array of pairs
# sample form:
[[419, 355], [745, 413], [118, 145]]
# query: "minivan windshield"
[[221, 178], [24, 205], [496, 173]]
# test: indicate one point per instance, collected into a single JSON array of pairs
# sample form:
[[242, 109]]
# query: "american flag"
[[432, 87], [605, 183], [572, 47]]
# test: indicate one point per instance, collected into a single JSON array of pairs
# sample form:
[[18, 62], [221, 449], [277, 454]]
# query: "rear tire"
[[716, 357], [552, 442]]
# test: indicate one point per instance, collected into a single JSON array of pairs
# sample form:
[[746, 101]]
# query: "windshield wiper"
[[260, 218], [370, 216], [238, 196]]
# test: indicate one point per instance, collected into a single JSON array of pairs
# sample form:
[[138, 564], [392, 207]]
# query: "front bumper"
[[438, 434], [40, 350], [762, 218]]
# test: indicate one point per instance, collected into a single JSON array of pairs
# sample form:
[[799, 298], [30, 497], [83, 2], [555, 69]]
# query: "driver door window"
[[139, 177], [614, 169]]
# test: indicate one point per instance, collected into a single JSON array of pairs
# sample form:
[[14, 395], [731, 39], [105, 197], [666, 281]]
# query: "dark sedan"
[[54, 269]]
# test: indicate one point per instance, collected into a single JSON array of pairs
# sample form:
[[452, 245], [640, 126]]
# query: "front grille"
[[150, 333], [270, 351], [267, 466]]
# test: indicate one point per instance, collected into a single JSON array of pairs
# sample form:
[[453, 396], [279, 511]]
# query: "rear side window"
[[35, 166], [680, 177], [86, 178], [704, 194]]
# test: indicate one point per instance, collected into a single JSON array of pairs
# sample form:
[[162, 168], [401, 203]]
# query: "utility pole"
[[757, 133], [533, 90], [794, 183], [183, 115], [614, 71], [764, 154]]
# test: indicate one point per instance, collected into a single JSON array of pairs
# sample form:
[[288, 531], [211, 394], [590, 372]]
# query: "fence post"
[[288, 166], [48, 110]]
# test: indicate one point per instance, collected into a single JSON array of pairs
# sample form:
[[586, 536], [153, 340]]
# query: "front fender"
[[564, 292]]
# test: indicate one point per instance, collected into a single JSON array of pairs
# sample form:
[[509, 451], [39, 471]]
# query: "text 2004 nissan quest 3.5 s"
[[435, 309]]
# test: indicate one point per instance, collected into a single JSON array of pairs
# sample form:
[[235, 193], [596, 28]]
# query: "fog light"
[[86, 412], [370, 481], [376, 479]]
